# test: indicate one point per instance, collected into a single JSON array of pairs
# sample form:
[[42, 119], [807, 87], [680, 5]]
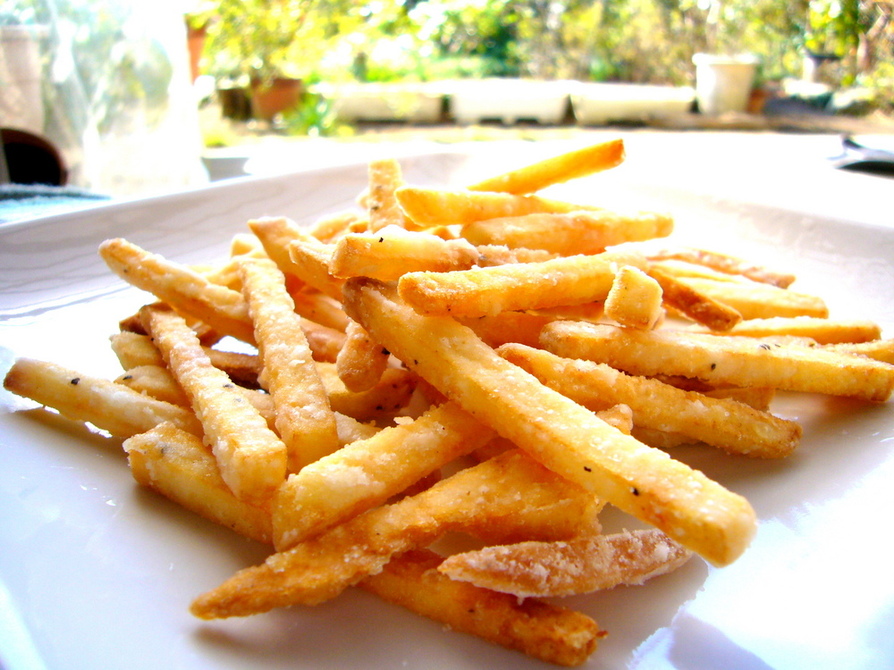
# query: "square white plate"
[[97, 573]]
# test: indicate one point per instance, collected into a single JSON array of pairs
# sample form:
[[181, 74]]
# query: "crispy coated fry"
[[754, 300], [134, 350], [304, 419], [727, 424], [177, 465], [275, 234], [331, 227], [584, 564], [635, 299], [495, 254], [738, 361], [430, 207], [101, 402], [251, 457], [880, 350], [385, 177], [310, 263], [392, 252], [186, 290], [820, 330], [155, 381], [541, 630], [557, 169], [322, 567], [318, 307], [587, 232], [389, 396], [727, 264], [571, 280], [523, 327], [561, 434], [696, 305], [367, 473], [361, 362]]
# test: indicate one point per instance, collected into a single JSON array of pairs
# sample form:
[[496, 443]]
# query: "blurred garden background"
[[142, 81]]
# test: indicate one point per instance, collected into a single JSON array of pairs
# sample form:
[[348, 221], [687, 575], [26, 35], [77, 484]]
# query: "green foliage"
[[314, 116], [263, 39]]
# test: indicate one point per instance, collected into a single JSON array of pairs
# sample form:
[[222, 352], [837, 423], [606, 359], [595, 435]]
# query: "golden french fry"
[[392, 252], [820, 330], [571, 280], [108, 406], [329, 228], [880, 350], [157, 382], [318, 307], [389, 396], [566, 437], [591, 562], [586, 232], [523, 327], [635, 299], [538, 629], [723, 359], [691, 302], [276, 233], [304, 419], [727, 264], [361, 362], [184, 289], [310, 263], [177, 465], [754, 300], [721, 422], [496, 254], [367, 473], [320, 568], [385, 177], [427, 207], [251, 457], [134, 350], [154, 381], [557, 169]]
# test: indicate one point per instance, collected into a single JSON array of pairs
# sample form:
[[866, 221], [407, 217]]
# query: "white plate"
[[97, 573]]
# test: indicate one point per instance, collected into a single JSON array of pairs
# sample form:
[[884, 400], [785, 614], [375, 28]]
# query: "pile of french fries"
[[481, 361]]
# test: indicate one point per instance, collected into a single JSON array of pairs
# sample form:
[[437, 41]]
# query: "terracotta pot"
[[195, 42], [270, 99]]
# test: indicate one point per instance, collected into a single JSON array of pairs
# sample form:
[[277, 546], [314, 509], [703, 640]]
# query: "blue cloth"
[[26, 201]]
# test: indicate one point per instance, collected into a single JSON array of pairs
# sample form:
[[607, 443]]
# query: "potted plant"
[[724, 76], [198, 18], [255, 44]]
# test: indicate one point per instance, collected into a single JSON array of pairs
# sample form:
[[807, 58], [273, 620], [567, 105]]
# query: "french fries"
[[251, 457], [556, 170], [739, 361], [580, 446], [483, 361], [304, 418]]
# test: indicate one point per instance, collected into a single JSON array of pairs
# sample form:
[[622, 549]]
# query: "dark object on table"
[[31, 159], [873, 154]]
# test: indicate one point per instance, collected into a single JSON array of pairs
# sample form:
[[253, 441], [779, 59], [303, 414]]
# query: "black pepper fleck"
[[75, 381]]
